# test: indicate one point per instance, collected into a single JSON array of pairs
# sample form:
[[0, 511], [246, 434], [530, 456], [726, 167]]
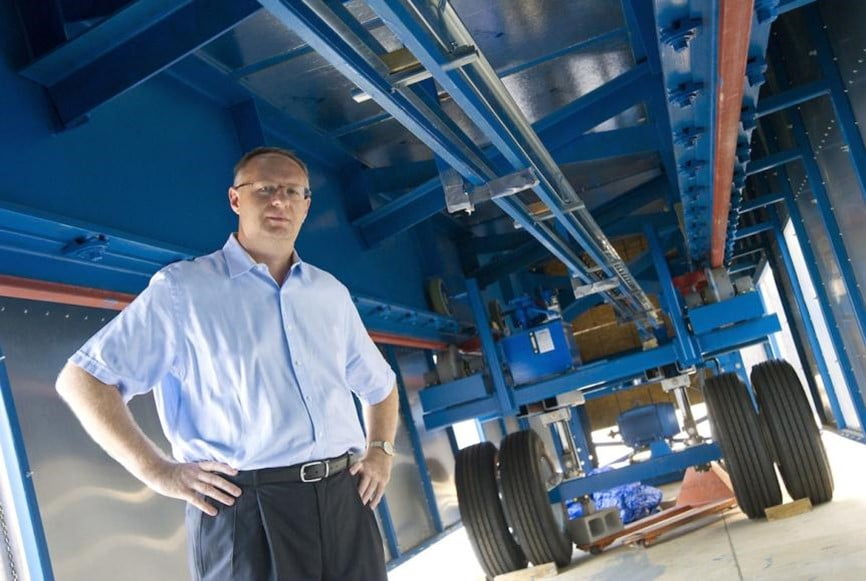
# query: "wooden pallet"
[[649, 535]]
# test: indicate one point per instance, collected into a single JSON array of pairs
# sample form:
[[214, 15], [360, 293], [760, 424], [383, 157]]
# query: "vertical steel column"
[[823, 299], [21, 484], [838, 94], [417, 450], [388, 528], [814, 344], [686, 348], [579, 437], [488, 346]]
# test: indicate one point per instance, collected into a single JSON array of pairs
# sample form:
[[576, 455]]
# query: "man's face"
[[269, 218]]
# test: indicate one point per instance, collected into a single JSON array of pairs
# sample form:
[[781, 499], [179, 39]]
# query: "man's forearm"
[[382, 418], [101, 410]]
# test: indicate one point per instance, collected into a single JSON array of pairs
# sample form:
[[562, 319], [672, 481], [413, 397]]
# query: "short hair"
[[259, 151]]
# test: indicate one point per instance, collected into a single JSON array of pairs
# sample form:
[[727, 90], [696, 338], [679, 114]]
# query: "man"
[[253, 356]]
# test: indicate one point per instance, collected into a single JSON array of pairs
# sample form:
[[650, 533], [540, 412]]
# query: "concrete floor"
[[827, 543]]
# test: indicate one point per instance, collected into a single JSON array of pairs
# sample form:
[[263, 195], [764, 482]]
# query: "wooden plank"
[[650, 534], [543, 571], [788, 509]]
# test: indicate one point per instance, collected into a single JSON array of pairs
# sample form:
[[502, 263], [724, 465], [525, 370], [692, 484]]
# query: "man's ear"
[[233, 201]]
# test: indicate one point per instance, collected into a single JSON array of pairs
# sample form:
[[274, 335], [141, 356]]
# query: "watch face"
[[388, 447]]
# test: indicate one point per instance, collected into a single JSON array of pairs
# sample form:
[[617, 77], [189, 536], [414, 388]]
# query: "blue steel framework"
[[682, 112]]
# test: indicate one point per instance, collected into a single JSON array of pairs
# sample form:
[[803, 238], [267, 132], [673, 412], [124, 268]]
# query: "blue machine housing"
[[541, 351], [645, 424]]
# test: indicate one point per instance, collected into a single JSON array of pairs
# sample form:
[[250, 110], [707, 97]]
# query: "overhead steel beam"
[[605, 144], [788, 5], [792, 97], [128, 48], [773, 160], [753, 230], [431, 34], [761, 202]]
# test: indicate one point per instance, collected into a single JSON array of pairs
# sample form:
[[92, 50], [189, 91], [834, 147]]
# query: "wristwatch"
[[386, 446]]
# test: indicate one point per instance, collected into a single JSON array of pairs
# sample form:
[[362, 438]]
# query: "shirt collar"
[[239, 261]]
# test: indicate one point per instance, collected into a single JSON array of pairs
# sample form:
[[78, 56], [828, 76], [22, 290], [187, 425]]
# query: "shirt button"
[[308, 398], [288, 327], [298, 363]]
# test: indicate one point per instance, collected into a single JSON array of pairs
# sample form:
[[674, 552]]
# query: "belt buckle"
[[308, 464]]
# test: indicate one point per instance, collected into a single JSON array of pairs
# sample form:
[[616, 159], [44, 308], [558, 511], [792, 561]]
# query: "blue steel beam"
[[248, 124], [637, 472], [838, 95], [687, 351], [640, 17], [504, 395], [792, 97], [557, 130], [739, 336], [130, 47], [773, 161], [788, 5], [687, 39], [809, 326], [761, 202], [753, 230], [20, 480], [605, 144], [317, 25]]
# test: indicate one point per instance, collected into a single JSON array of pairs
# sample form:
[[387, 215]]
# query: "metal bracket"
[[691, 167], [457, 198], [685, 94], [688, 136], [670, 384], [680, 33], [585, 290]]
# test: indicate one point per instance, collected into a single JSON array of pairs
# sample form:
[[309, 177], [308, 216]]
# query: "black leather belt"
[[306, 472]]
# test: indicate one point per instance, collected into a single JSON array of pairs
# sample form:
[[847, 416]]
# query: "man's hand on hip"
[[193, 482], [375, 470]]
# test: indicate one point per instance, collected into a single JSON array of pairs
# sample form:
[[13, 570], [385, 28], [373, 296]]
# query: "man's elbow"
[[67, 380]]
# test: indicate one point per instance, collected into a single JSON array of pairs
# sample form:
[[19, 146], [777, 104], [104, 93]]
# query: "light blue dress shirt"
[[244, 371]]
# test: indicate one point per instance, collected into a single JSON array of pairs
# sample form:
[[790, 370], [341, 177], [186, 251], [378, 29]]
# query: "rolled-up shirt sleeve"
[[137, 348], [367, 372]]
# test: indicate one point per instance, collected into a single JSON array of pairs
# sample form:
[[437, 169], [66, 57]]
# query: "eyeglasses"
[[267, 190]]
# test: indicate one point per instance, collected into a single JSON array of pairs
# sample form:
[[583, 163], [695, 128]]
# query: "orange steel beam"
[[67, 294], [735, 28]]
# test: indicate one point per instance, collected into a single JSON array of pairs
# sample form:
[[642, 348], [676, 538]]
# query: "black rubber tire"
[[481, 511], [736, 428], [527, 506], [791, 425]]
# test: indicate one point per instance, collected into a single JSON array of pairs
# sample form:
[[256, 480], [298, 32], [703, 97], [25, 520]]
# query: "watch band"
[[384, 445]]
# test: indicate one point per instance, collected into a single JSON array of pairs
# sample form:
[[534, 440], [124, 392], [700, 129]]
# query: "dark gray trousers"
[[288, 531]]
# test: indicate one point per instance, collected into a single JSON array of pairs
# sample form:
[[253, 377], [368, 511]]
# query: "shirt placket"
[[297, 351]]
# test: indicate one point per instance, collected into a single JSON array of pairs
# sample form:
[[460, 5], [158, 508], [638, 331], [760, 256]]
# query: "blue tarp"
[[634, 500]]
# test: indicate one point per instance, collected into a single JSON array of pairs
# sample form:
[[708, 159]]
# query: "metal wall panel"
[[821, 249], [435, 444], [406, 496], [98, 519]]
